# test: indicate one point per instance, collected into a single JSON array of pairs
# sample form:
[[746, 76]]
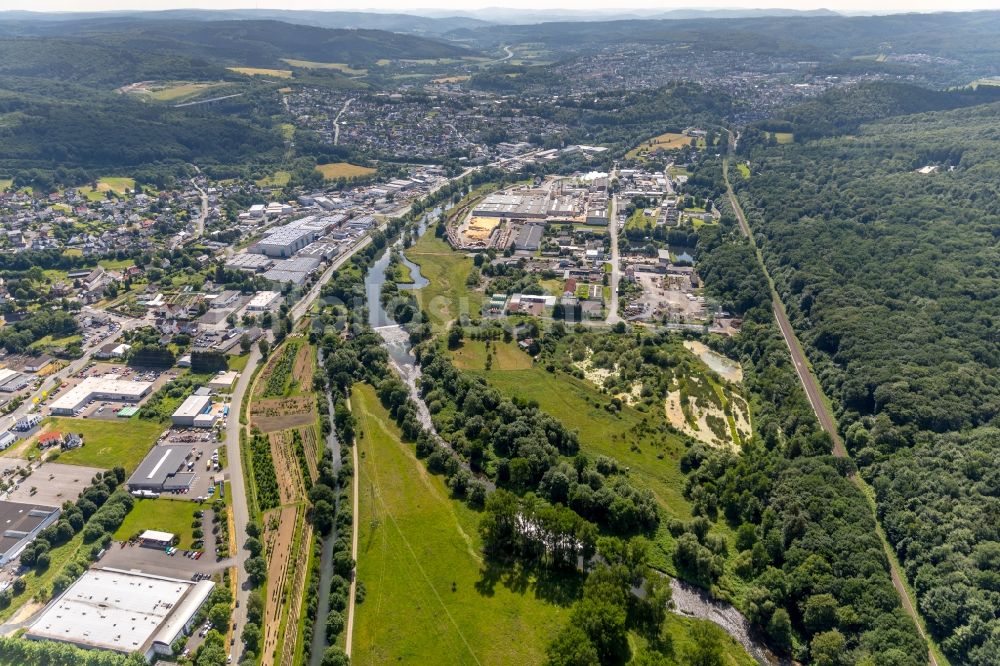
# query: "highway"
[[820, 406]]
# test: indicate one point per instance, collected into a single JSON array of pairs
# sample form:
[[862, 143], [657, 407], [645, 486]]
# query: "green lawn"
[[447, 296], [277, 179], [683, 641], [165, 515], [428, 599], [106, 443], [506, 356], [239, 363], [744, 170]]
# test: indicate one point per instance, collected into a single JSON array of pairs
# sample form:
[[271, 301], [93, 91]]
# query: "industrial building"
[[529, 238], [11, 380], [194, 412], [263, 300], [164, 469], [21, 523], [108, 387], [123, 611], [253, 263], [284, 242], [223, 381]]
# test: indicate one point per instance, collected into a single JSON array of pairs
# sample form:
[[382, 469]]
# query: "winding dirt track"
[[818, 401]]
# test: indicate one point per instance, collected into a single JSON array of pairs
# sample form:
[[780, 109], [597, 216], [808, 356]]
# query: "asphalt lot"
[[54, 483], [157, 562]]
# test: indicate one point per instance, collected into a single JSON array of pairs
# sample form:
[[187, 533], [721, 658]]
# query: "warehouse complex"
[[108, 387], [123, 611], [21, 523], [195, 412]]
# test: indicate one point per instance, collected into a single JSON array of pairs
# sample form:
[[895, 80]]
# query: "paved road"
[[818, 401], [199, 222], [336, 121], [613, 317]]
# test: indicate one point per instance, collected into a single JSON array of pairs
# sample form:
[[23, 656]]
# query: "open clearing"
[[276, 179], [448, 295], [108, 184], [428, 599], [166, 515], [260, 71], [335, 170], [506, 356], [783, 137], [339, 66], [107, 444], [667, 141]]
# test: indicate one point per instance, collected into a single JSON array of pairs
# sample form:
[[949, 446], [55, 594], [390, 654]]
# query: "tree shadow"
[[561, 587]]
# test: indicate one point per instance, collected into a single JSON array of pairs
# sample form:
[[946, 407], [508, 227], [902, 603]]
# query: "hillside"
[[890, 276]]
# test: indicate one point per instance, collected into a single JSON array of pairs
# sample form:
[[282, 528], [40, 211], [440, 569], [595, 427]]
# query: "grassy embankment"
[[107, 443], [164, 515]]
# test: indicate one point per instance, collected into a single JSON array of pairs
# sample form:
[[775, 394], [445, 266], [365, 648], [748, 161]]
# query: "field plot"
[[278, 536], [427, 598], [290, 485], [506, 356], [334, 170], [106, 443], [276, 179], [260, 71], [667, 141], [338, 66], [107, 184], [165, 515], [448, 295]]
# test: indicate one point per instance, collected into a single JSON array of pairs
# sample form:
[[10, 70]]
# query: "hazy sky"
[[853, 6]]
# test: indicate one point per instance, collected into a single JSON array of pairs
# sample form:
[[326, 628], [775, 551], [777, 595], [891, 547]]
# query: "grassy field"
[[744, 170], [238, 363], [5, 184], [106, 443], [667, 141], [783, 137], [108, 184], [165, 515], [260, 71], [418, 555], [506, 356], [447, 296], [638, 220], [335, 170], [183, 90], [683, 641], [276, 179], [339, 66]]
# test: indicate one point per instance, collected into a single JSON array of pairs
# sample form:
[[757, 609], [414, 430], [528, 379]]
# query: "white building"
[[108, 387], [263, 300], [123, 611], [194, 412]]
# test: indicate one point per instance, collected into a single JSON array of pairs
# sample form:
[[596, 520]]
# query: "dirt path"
[[349, 633], [818, 401]]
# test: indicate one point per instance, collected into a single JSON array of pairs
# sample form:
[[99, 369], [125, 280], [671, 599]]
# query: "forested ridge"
[[892, 279]]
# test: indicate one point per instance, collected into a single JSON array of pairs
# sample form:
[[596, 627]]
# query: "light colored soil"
[[290, 488], [594, 375], [279, 546], [274, 414], [726, 368], [302, 369], [300, 570], [701, 430], [741, 414]]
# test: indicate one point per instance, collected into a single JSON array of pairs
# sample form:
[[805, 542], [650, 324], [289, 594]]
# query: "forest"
[[891, 279]]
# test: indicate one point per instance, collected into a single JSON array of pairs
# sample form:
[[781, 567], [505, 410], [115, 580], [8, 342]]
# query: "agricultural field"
[[260, 71], [107, 444], [783, 137], [166, 515], [334, 170], [276, 179], [344, 68], [667, 141], [448, 294], [429, 598]]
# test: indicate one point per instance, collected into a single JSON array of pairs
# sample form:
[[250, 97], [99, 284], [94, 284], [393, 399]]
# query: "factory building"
[[164, 469], [108, 387], [123, 611], [263, 300], [194, 412]]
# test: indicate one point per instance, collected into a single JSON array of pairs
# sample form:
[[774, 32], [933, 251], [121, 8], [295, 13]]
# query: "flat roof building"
[[263, 300], [108, 387], [163, 469], [123, 611], [285, 241], [189, 411], [20, 524]]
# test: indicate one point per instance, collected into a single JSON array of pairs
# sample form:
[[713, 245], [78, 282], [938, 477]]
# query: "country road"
[[823, 414]]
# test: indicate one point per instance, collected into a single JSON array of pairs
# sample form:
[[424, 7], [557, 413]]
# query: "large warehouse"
[[21, 524], [194, 412], [123, 611], [108, 387], [164, 469]]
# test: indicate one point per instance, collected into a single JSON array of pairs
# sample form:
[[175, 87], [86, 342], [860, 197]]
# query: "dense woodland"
[[891, 278]]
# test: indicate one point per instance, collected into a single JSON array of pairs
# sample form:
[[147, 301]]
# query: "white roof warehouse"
[[123, 611], [108, 387]]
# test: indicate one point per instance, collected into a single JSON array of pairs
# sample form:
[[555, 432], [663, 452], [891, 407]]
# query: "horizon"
[[570, 8]]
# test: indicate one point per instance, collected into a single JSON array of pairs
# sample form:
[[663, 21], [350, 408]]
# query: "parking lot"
[[107, 409], [203, 445], [122, 555], [53, 483]]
